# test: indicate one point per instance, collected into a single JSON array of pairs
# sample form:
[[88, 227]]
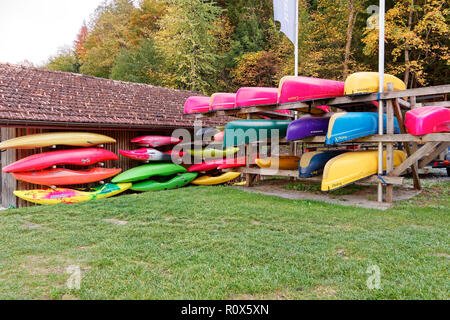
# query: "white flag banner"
[[284, 11]]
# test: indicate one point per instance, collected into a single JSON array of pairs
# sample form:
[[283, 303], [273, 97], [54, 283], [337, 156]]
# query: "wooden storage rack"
[[417, 157]]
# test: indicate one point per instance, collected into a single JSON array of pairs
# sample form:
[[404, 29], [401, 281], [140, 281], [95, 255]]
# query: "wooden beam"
[[389, 145], [435, 153], [425, 149], [8, 181]]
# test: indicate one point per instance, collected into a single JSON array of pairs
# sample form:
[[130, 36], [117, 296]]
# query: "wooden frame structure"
[[417, 157]]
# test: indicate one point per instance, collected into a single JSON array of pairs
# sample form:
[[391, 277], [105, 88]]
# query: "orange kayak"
[[62, 177]]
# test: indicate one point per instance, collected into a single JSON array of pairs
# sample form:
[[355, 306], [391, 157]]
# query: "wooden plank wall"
[[122, 137]]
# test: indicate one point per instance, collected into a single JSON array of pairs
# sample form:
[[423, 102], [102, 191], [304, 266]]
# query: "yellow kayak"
[[214, 153], [282, 162], [209, 180], [353, 166], [79, 139], [368, 82], [64, 195]]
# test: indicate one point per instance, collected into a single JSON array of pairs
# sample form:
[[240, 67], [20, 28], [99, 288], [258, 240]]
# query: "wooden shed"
[[34, 100]]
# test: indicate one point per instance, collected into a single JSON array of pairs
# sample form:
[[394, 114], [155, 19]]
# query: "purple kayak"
[[222, 101], [196, 104], [307, 127]]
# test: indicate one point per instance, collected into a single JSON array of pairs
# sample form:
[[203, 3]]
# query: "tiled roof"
[[32, 95]]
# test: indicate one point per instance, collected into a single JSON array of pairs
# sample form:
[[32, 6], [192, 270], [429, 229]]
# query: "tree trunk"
[[348, 45], [407, 67]]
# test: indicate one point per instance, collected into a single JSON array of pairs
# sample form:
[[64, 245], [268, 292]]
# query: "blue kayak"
[[312, 163], [345, 126]]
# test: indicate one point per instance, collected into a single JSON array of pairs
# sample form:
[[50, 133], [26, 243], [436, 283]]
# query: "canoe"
[[148, 170], [292, 89], [156, 141], [176, 182], [64, 177], [196, 104], [368, 82], [64, 195], [41, 140], [307, 126], [428, 119], [222, 101], [282, 162], [257, 96], [146, 154], [240, 132], [345, 126], [213, 153], [312, 163], [211, 180], [354, 166], [217, 164], [80, 157]]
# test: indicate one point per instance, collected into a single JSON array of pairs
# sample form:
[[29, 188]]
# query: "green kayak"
[[148, 170], [214, 153], [176, 182], [244, 131]]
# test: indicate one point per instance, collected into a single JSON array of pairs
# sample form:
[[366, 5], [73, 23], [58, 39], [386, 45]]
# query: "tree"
[[65, 60], [256, 70], [79, 44]]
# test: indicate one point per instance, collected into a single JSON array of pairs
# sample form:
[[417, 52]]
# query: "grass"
[[315, 188], [223, 243]]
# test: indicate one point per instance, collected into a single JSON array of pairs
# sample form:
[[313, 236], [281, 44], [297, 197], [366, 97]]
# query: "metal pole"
[[296, 38], [381, 89]]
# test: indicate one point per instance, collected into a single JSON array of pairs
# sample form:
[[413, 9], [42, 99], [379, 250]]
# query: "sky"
[[34, 30]]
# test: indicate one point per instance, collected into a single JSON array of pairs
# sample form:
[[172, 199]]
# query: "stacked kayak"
[[430, 119], [41, 168], [245, 131], [222, 101], [368, 82], [312, 163], [307, 126], [281, 162], [196, 104]]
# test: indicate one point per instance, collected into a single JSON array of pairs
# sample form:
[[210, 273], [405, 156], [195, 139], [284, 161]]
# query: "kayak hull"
[[217, 164], [209, 180], [368, 82], [307, 127], [196, 104], [256, 96], [64, 195], [148, 170], [350, 167], [282, 162], [312, 163], [222, 101], [41, 140], [80, 157], [64, 177], [346, 126], [176, 182], [240, 132], [146, 154], [156, 141], [214, 153], [428, 119]]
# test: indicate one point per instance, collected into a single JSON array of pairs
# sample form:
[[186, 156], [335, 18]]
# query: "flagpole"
[[296, 38], [381, 89]]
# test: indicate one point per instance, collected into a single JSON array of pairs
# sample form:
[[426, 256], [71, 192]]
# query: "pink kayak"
[[80, 157], [257, 96], [222, 101], [196, 104], [155, 141], [428, 119], [217, 164], [293, 89], [219, 136]]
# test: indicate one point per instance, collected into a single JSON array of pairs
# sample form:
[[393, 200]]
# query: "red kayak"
[[156, 141], [150, 154], [428, 119], [293, 89], [218, 164], [62, 177], [222, 101], [196, 104], [80, 157]]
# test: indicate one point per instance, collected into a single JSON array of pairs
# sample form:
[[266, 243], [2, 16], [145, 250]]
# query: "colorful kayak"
[[222, 101], [214, 153], [217, 164], [146, 154], [256, 96], [307, 126], [240, 132], [41, 140], [196, 104], [219, 136], [156, 141], [312, 163], [63, 195], [64, 177], [428, 119], [213, 180], [148, 170], [354, 166], [176, 182], [282, 162], [293, 89], [345, 126], [368, 82], [80, 157]]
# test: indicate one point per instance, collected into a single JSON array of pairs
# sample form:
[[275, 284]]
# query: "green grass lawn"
[[223, 243]]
